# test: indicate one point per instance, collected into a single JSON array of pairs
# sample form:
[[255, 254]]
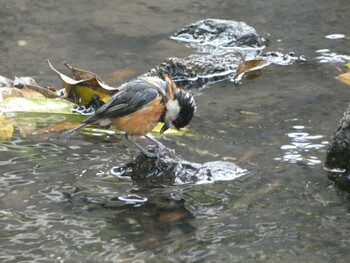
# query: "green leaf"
[[43, 105]]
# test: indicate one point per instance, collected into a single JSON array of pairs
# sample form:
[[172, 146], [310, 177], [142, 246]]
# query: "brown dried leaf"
[[250, 65], [29, 93], [55, 127], [80, 74], [84, 86], [23, 92], [6, 93], [5, 82], [344, 77]]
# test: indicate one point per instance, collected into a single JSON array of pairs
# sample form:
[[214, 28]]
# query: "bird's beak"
[[165, 127]]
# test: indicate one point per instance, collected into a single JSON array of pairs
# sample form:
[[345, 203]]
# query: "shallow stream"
[[63, 201]]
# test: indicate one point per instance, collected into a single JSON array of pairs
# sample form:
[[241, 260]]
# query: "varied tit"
[[140, 104]]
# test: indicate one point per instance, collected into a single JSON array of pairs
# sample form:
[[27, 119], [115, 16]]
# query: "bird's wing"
[[131, 97]]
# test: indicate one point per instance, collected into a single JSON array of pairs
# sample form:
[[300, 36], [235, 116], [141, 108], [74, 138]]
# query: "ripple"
[[301, 147], [326, 56], [335, 36]]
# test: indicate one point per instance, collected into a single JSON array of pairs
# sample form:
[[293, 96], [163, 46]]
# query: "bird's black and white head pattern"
[[179, 110]]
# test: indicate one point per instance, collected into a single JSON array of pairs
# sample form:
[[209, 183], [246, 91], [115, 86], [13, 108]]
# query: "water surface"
[[60, 201]]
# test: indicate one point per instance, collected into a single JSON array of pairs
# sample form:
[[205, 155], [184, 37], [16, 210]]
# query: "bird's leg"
[[160, 146], [138, 146], [157, 143]]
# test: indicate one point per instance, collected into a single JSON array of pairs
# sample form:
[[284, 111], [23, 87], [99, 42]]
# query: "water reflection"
[[303, 147], [328, 56]]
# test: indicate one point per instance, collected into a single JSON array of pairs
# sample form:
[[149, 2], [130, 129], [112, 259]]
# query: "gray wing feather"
[[131, 97]]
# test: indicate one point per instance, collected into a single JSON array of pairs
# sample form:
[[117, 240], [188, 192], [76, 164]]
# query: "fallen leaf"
[[29, 93], [6, 93], [169, 131], [84, 86], [80, 74], [26, 127], [345, 78], [6, 130], [32, 88], [5, 82], [171, 216], [56, 127], [249, 66], [43, 105]]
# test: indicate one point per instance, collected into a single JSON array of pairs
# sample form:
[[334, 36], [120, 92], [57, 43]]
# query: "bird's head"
[[179, 110]]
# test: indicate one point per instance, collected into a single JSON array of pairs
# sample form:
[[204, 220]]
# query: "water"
[[60, 200]]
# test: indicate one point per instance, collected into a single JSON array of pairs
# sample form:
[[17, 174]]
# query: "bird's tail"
[[68, 132]]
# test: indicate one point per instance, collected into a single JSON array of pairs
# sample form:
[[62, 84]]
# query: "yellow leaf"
[[26, 127], [85, 93], [6, 130], [345, 78], [169, 131]]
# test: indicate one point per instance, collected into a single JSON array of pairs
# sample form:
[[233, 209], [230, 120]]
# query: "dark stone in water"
[[198, 69], [171, 170], [224, 45], [338, 154], [205, 35]]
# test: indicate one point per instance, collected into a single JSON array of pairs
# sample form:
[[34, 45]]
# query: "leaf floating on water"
[[6, 93], [56, 127], [25, 126], [345, 78], [23, 87], [80, 74], [5, 82], [43, 105], [169, 131], [84, 86], [6, 130], [29, 93], [31, 89], [251, 65], [172, 216]]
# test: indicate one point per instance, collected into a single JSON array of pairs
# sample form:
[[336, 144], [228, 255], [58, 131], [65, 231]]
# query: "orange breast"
[[142, 121]]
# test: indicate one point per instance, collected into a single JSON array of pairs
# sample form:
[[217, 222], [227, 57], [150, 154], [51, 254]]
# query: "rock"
[[172, 170], [338, 154], [219, 35]]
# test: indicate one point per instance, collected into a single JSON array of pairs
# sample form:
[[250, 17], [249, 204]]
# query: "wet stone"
[[338, 154], [172, 170], [222, 34]]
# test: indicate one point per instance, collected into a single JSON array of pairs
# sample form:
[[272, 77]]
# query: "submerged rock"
[[172, 170]]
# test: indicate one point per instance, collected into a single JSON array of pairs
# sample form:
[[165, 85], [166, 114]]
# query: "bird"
[[139, 105]]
